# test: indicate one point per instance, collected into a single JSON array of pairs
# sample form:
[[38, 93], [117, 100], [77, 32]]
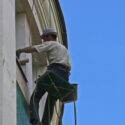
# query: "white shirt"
[[56, 52]]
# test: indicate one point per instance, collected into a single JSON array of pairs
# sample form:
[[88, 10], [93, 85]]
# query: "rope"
[[56, 88], [75, 109], [75, 113], [53, 84]]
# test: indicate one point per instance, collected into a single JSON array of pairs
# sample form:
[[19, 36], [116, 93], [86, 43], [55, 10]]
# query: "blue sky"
[[96, 40]]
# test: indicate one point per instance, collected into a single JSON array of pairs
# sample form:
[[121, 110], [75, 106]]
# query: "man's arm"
[[28, 50], [25, 50]]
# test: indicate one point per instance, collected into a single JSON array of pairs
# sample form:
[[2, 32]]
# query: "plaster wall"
[[23, 39], [7, 63], [1, 61]]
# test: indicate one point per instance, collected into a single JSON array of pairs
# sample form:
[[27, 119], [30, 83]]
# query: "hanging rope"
[[75, 113]]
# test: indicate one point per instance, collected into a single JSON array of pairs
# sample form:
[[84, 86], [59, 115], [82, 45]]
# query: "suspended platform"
[[57, 87]]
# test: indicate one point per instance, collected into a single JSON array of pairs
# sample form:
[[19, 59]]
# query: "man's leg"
[[48, 111], [34, 104], [65, 75]]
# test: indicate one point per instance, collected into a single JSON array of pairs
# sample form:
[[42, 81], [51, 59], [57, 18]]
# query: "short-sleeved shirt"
[[56, 52]]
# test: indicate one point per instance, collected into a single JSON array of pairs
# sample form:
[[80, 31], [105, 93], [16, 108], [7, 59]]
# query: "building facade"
[[21, 23]]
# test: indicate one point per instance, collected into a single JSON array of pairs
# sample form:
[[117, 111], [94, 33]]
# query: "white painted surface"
[[23, 84], [23, 39], [1, 61], [7, 63]]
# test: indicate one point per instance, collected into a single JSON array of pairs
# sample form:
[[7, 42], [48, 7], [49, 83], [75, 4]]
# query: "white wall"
[[1, 61], [23, 39], [7, 63]]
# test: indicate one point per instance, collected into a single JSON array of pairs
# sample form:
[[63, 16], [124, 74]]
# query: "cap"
[[48, 31]]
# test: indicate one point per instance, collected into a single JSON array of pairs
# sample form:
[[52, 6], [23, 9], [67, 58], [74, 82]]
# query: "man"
[[59, 62]]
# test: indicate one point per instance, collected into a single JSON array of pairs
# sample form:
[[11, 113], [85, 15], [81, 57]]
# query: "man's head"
[[49, 34]]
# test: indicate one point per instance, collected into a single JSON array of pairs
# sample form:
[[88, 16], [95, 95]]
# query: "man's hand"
[[18, 52]]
